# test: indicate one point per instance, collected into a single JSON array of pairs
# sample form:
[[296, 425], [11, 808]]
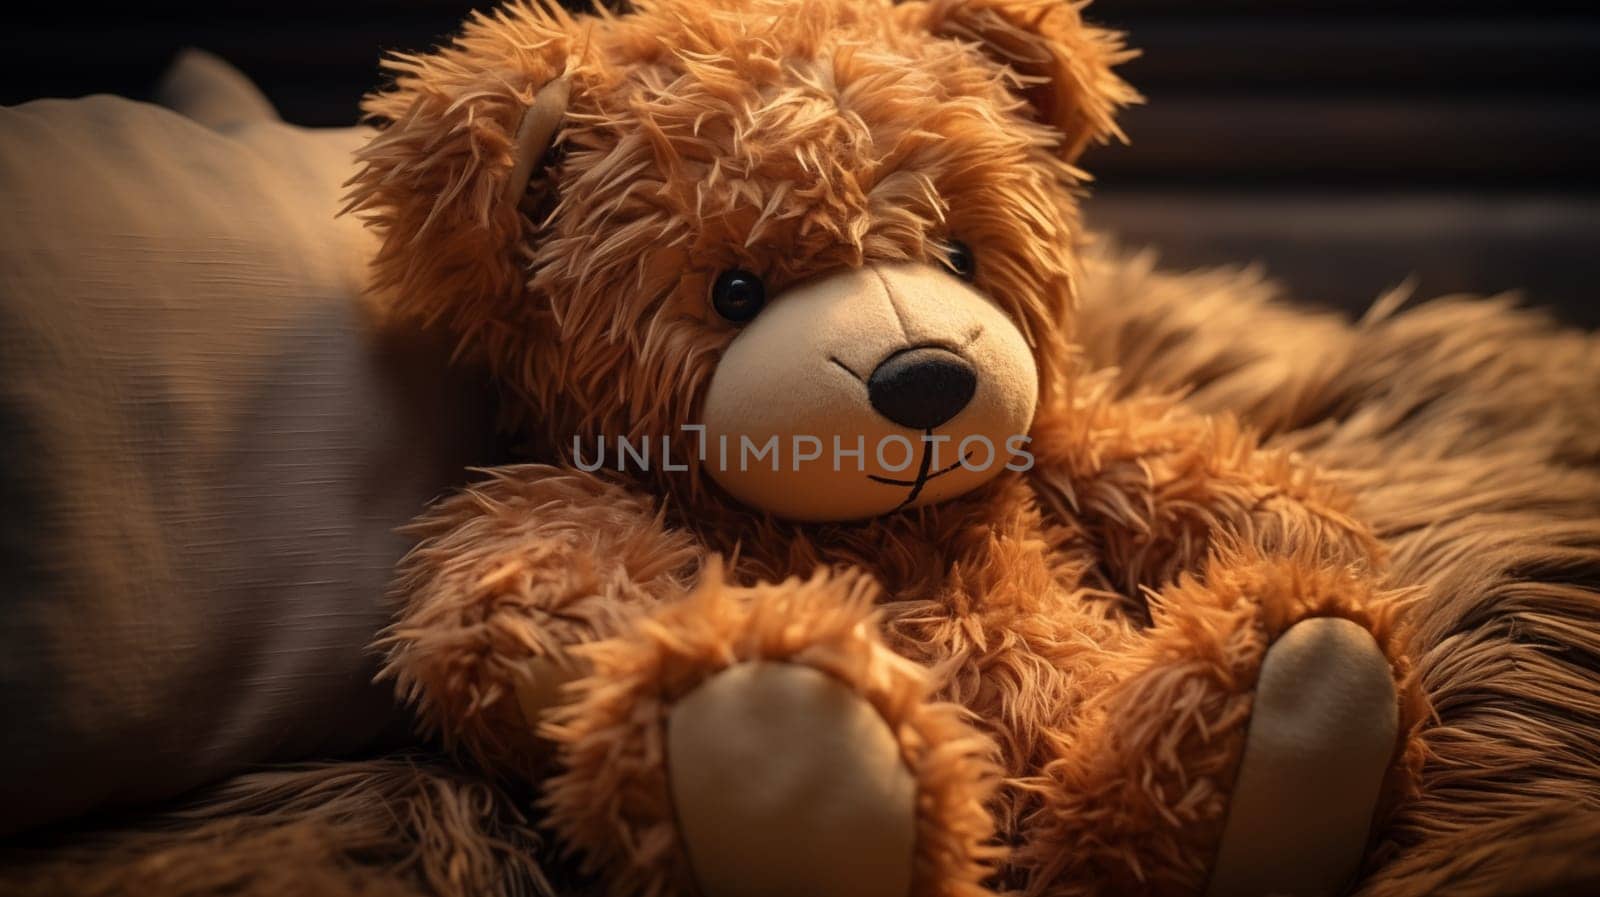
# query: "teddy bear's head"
[[819, 250]]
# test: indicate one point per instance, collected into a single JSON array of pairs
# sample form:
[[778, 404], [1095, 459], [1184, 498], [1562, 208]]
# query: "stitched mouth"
[[924, 474]]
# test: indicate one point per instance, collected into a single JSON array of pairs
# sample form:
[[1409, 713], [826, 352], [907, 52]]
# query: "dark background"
[[1347, 144]]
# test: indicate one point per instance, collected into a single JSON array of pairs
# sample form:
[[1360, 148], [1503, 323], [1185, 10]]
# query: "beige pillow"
[[204, 448]]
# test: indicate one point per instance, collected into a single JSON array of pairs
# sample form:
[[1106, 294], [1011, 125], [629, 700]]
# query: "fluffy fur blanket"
[[1469, 428]]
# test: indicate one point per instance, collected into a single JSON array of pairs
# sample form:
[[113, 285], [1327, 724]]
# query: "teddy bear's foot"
[[1321, 737], [786, 782], [1246, 748], [763, 741]]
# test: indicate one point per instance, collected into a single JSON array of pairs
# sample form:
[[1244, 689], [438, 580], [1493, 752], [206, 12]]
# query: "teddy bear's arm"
[[507, 576], [1159, 488], [555, 629]]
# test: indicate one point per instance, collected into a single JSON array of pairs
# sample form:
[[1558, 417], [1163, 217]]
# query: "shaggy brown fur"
[[396, 827], [1101, 619], [786, 136], [1468, 432], [1094, 626], [1502, 542]]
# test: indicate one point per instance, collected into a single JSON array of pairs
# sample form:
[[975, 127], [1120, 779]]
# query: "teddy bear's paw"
[[787, 782], [1321, 740], [763, 740]]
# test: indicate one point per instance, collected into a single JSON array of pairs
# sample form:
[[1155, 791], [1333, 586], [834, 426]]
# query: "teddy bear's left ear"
[[1063, 65], [450, 179]]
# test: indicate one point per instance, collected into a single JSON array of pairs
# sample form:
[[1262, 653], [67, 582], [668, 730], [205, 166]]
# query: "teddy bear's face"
[[823, 249]]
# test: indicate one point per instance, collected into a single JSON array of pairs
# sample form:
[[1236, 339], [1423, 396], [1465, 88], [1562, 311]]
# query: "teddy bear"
[[832, 567]]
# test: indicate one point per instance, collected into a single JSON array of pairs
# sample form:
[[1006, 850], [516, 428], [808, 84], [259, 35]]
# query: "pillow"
[[205, 448]]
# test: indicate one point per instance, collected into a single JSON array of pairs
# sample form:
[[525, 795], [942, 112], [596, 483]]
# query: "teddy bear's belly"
[[1011, 615]]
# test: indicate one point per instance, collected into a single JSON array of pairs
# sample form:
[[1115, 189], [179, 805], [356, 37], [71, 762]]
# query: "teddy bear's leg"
[[763, 741], [1256, 731]]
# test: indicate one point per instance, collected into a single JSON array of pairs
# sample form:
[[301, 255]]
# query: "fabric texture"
[[206, 448]]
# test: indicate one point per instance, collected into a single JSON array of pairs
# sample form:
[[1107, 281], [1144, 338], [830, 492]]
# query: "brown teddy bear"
[[841, 573]]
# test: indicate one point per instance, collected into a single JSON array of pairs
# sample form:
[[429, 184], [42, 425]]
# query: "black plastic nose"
[[922, 388]]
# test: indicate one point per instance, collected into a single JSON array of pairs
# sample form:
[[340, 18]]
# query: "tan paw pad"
[[1322, 735], [787, 784]]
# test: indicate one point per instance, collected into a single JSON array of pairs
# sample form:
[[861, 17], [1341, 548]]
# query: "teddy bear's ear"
[[454, 172], [1062, 64]]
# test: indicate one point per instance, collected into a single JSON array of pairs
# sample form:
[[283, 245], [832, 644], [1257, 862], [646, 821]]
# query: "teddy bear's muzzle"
[[866, 391]]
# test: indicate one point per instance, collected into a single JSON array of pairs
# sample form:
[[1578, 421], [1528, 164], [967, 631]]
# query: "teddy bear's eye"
[[960, 261], [738, 295]]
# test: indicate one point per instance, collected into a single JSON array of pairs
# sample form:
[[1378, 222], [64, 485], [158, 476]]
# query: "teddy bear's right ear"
[[1063, 66], [453, 172]]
